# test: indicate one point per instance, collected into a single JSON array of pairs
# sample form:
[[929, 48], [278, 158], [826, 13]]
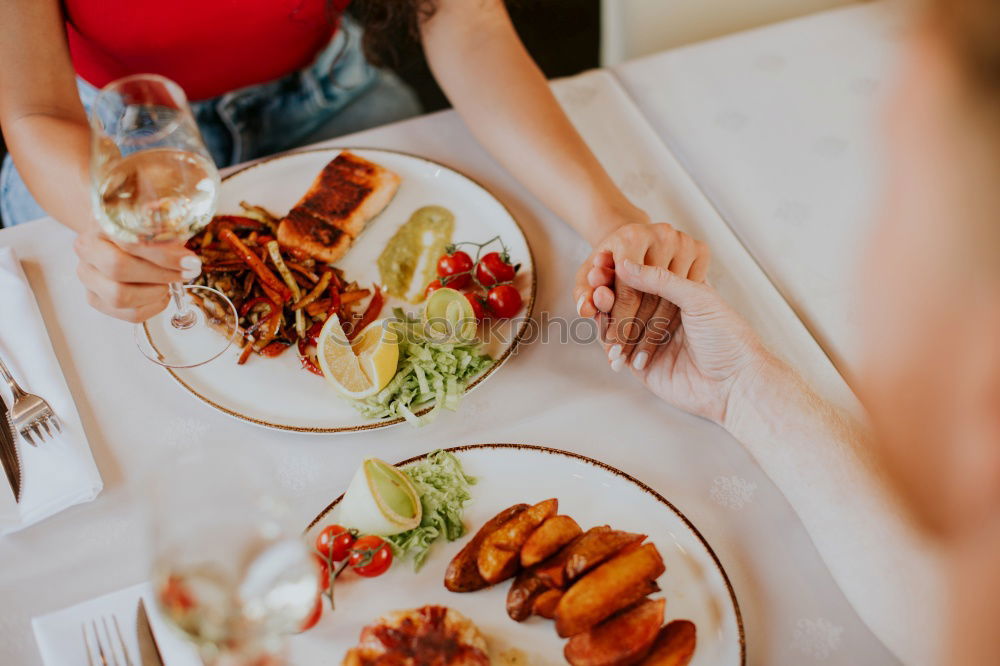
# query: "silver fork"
[[29, 414], [107, 654]]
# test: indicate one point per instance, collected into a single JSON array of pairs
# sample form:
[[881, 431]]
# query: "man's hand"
[[712, 350]]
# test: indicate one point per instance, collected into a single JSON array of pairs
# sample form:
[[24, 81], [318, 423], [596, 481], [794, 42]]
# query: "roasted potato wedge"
[[499, 556], [598, 594], [623, 639], [546, 602], [674, 645], [553, 570], [522, 594], [548, 539], [463, 571], [595, 548]]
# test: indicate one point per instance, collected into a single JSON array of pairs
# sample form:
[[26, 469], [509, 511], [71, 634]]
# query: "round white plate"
[[695, 585], [277, 393]]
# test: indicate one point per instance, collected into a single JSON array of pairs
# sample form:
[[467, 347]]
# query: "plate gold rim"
[[608, 468], [515, 342]]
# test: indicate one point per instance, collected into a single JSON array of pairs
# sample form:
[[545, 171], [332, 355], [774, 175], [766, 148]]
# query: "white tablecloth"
[[552, 394], [779, 127]]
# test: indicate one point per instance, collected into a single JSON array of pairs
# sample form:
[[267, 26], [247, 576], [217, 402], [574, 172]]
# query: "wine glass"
[[229, 572], [153, 181]]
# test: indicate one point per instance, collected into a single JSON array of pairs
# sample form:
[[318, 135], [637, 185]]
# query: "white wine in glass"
[[153, 181], [157, 195]]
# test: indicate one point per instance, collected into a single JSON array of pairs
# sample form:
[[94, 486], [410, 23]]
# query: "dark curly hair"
[[390, 25]]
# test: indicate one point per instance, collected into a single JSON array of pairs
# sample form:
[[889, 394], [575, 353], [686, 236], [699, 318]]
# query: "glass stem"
[[184, 317]]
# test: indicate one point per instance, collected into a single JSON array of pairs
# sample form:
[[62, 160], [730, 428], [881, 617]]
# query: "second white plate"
[[695, 585]]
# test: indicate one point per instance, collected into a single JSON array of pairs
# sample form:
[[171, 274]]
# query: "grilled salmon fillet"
[[428, 636], [347, 194]]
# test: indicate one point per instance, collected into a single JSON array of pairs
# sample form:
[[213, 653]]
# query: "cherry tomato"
[[433, 286], [504, 301], [314, 616], [455, 270], [478, 307], [371, 556], [493, 268], [324, 571], [176, 595], [335, 542]]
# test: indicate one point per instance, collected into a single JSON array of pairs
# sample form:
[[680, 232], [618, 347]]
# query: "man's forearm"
[[52, 154], [504, 99], [820, 461]]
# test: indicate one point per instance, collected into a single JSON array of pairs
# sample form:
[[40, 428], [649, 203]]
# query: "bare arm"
[[46, 130], [715, 366], [43, 121], [503, 97], [820, 460]]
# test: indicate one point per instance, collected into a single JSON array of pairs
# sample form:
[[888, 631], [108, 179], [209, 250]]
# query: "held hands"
[[129, 281], [638, 322], [698, 349]]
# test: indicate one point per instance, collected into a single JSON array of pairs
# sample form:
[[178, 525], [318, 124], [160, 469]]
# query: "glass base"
[[200, 333]]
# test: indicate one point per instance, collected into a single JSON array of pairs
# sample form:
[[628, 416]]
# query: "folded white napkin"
[[60, 637], [59, 472]]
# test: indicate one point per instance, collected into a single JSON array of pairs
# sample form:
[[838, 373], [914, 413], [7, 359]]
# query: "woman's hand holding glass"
[[153, 186], [130, 281]]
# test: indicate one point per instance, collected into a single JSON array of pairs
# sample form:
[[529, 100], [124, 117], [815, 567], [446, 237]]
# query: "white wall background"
[[632, 28]]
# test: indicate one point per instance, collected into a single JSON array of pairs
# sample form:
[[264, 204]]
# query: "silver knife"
[[149, 651], [8, 452]]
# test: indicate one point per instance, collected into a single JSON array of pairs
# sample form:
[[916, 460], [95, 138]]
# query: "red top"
[[207, 46]]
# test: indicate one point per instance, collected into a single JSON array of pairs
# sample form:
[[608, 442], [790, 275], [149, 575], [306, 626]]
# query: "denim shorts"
[[339, 93]]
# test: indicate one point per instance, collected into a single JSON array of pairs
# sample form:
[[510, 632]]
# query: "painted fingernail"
[[579, 305], [190, 267], [640, 360], [618, 364], [615, 353]]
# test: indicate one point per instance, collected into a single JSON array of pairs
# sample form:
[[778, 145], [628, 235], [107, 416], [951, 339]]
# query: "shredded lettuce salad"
[[444, 489], [427, 371]]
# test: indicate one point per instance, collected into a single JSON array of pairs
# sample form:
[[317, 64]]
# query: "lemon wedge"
[[377, 349], [340, 365], [449, 317], [381, 500], [362, 368]]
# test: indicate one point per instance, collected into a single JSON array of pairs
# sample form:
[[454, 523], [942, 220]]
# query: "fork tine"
[[100, 644], [37, 432], [110, 643], [121, 641], [56, 423], [44, 422], [27, 436], [86, 645]]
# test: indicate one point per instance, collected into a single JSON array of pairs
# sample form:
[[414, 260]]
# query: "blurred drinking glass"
[[229, 573], [153, 181]]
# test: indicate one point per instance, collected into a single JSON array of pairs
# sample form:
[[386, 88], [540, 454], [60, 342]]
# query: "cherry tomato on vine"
[[478, 307], [493, 268], [335, 542], [432, 286], [314, 616], [371, 556], [455, 269], [504, 301]]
